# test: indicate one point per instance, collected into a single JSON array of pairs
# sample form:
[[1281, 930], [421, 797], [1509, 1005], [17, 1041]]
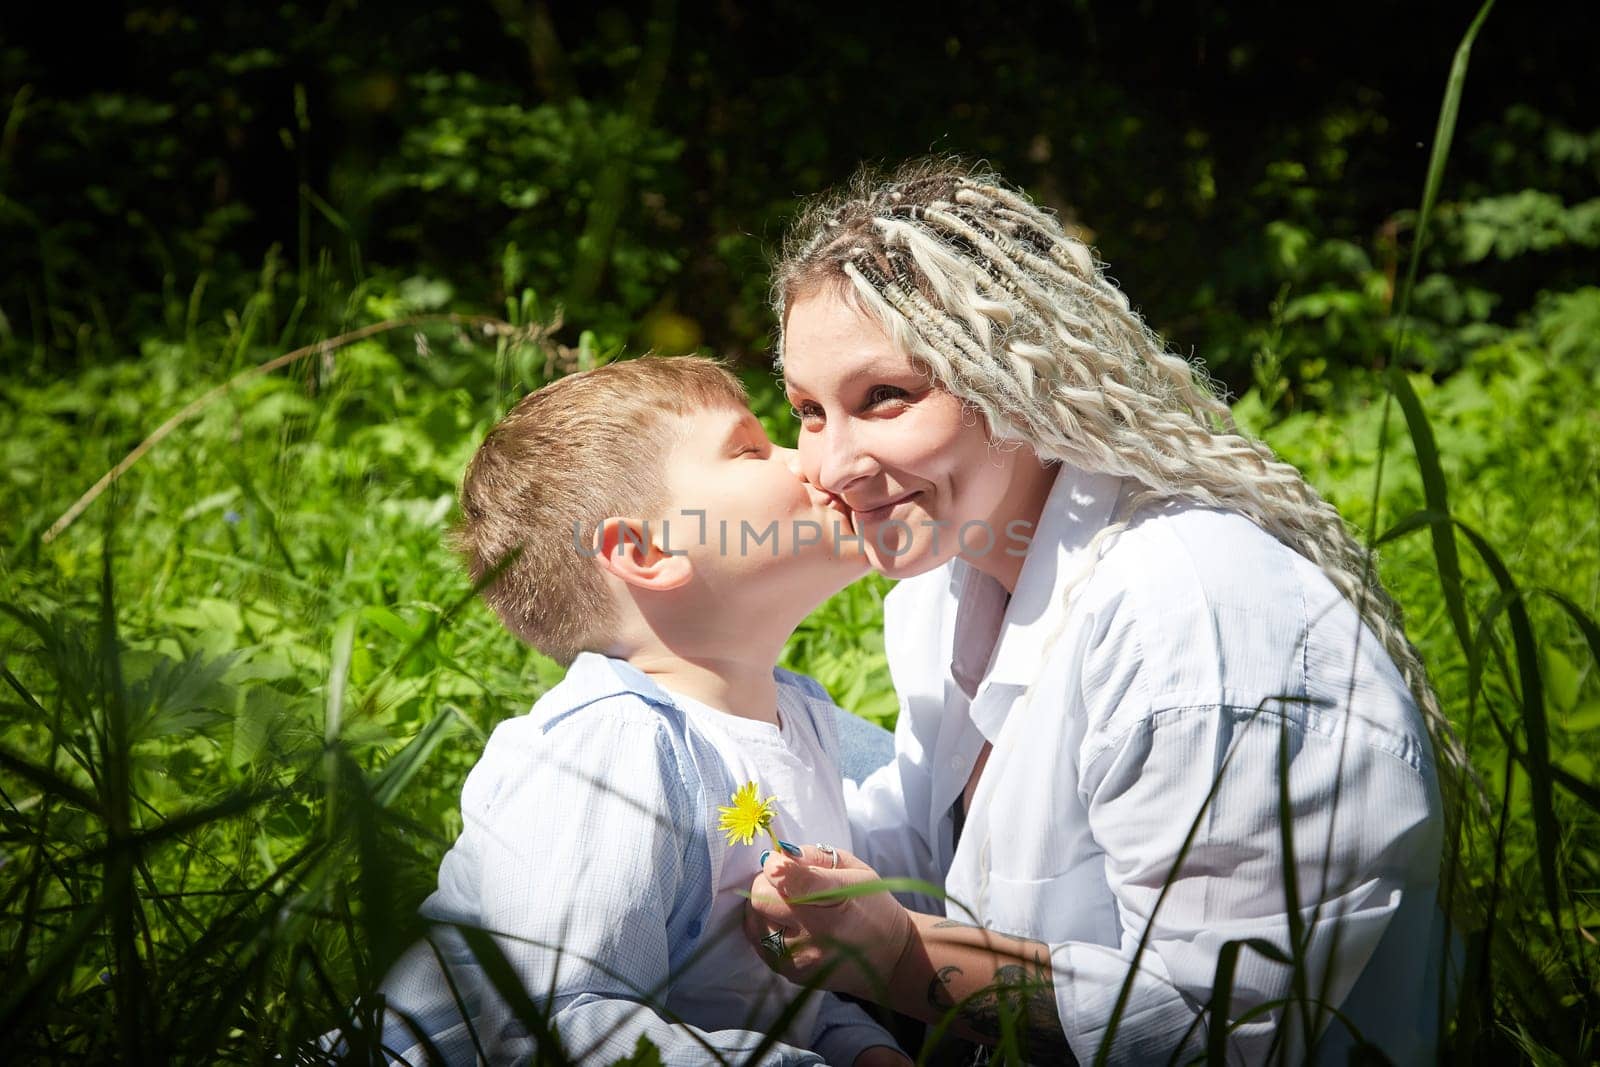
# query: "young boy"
[[650, 536]]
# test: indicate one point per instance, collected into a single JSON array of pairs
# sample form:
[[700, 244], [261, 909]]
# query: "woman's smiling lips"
[[830, 502], [880, 512]]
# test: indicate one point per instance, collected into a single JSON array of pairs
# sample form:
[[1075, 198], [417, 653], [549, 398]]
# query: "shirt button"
[[694, 928]]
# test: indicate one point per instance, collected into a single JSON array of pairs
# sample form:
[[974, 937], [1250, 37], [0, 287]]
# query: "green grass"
[[234, 741]]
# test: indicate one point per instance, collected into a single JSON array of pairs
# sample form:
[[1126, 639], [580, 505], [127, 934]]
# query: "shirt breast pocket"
[[1074, 906]]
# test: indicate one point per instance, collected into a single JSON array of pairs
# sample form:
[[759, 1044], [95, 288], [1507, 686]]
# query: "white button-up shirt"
[[1144, 719]]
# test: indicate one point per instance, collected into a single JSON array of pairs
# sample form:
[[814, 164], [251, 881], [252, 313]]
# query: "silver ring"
[[773, 943], [833, 855]]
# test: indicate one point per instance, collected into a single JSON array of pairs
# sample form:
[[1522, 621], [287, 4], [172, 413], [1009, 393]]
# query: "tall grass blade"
[[344, 636], [117, 884], [1443, 134], [1291, 888], [1485, 982], [259, 907], [22, 1005], [1585, 791], [232, 805], [1534, 724], [404, 765], [1445, 554], [861, 889], [458, 1000], [503, 977], [344, 639], [428, 635], [376, 872], [430, 1051], [1585, 623], [1222, 991], [772, 1032], [269, 517], [1120, 1007], [48, 780]]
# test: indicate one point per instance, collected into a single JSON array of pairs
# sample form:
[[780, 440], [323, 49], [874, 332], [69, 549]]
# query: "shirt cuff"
[[1157, 1019], [846, 1032]]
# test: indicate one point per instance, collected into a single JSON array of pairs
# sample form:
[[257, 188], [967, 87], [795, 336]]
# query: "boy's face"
[[749, 522]]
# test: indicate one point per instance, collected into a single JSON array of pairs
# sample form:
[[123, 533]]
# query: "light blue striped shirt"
[[588, 849]]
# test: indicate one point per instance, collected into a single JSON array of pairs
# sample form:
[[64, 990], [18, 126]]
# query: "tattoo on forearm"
[[1020, 999], [938, 991]]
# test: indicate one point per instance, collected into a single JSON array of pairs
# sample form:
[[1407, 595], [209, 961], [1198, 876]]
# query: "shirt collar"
[[593, 677], [1079, 506]]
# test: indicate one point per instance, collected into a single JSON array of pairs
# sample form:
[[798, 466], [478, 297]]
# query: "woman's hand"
[[936, 969], [850, 946]]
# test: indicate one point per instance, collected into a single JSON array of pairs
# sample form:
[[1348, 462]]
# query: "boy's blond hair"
[[581, 449]]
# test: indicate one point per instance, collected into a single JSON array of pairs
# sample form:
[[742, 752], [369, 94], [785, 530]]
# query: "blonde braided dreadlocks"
[[991, 297]]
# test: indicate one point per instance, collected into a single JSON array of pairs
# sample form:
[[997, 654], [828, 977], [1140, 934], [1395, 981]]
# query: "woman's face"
[[918, 472]]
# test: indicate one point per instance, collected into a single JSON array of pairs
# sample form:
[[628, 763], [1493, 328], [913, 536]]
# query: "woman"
[[1145, 674]]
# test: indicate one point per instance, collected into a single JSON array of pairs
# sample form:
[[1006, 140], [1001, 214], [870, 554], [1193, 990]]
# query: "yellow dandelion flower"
[[748, 815]]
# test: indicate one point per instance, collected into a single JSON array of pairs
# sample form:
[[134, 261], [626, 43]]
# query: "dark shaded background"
[[644, 159]]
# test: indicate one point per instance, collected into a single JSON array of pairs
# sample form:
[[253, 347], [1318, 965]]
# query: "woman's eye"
[[879, 394], [804, 411]]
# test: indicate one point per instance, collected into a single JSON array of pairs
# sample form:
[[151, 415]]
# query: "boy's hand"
[[882, 1056]]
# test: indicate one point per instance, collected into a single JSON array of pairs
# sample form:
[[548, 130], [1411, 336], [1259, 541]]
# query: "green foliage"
[[841, 645], [475, 160], [1529, 221], [1522, 461], [263, 755]]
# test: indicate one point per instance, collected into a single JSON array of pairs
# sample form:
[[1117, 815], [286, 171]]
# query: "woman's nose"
[[833, 459]]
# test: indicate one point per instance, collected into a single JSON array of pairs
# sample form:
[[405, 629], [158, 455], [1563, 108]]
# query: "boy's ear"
[[626, 551]]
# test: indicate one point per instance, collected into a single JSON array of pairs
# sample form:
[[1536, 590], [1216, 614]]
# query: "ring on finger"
[[774, 943], [833, 855]]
